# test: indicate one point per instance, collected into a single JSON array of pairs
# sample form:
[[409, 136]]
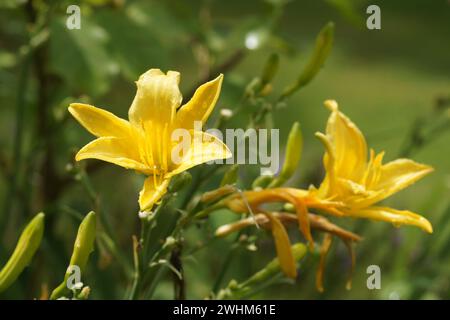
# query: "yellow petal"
[[399, 174], [201, 104], [348, 143], [390, 178], [372, 174], [325, 247], [303, 221], [204, 147], [99, 122], [283, 246], [350, 188], [328, 185], [156, 99], [115, 150], [154, 188], [396, 217]]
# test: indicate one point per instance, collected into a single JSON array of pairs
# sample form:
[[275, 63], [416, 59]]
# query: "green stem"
[[227, 262], [179, 284], [167, 248], [198, 180], [141, 273], [108, 238], [261, 279], [159, 273], [133, 295], [224, 269], [18, 140]]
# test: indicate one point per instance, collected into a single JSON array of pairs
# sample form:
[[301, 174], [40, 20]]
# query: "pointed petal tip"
[[79, 156], [143, 204], [428, 169], [423, 224], [151, 194], [332, 105], [426, 226], [74, 107], [228, 153], [218, 80], [319, 134]]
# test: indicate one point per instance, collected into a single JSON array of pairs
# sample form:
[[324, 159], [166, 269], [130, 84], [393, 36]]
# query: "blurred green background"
[[394, 83]]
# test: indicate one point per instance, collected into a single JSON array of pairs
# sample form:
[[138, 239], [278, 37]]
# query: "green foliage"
[[294, 148], [259, 46], [82, 248], [138, 47], [231, 176], [80, 57], [26, 247], [322, 48], [260, 279]]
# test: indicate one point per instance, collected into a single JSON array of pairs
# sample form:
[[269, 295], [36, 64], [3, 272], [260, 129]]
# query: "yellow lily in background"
[[144, 143], [358, 183], [352, 185]]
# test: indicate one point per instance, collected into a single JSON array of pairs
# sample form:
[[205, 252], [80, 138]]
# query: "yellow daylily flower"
[[144, 143], [353, 185], [358, 183]]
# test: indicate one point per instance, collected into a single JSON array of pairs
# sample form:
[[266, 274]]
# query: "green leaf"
[[26, 247], [270, 69], [133, 42], [261, 278], [231, 176], [262, 182], [79, 56], [180, 181], [351, 10], [324, 43], [7, 59], [82, 248], [293, 154], [11, 4]]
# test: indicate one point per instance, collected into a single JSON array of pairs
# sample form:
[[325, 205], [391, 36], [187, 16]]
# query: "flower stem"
[[261, 279], [179, 282], [133, 295], [17, 143]]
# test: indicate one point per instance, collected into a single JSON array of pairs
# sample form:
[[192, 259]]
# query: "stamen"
[[150, 147], [147, 127], [159, 145], [247, 204], [154, 178], [165, 153]]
